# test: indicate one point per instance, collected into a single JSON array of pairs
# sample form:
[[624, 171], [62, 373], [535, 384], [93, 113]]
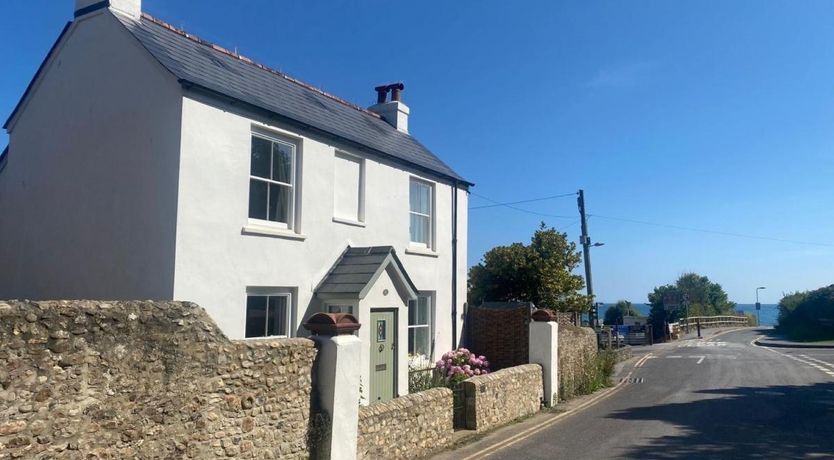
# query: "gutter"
[[455, 265]]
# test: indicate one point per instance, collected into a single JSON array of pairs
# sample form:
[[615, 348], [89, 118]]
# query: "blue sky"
[[713, 115]]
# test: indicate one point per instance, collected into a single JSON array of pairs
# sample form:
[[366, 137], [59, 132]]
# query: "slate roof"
[[356, 271], [196, 62]]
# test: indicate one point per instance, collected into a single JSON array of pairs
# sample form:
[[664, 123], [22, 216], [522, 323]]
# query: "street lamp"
[[758, 306]]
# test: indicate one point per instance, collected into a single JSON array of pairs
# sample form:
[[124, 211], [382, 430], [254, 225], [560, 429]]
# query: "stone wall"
[[116, 380], [498, 398], [410, 426], [577, 355]]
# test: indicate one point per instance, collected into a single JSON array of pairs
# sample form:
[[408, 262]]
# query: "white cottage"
[[145, 163]]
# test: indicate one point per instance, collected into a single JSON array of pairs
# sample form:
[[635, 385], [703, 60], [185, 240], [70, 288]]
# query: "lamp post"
[[758, 306]]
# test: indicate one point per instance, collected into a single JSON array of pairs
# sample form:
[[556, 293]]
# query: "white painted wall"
[[215, 262], [89, 197]]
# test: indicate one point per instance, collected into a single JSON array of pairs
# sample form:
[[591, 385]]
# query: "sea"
[[767, 315]]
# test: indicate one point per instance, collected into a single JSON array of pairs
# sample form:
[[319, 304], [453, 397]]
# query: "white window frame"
[[361, 211], [429, 321], [432, 211], [293, 205], [271, 292]]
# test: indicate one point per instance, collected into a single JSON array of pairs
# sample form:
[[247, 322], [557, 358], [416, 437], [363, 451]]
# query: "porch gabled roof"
[[357, 270]]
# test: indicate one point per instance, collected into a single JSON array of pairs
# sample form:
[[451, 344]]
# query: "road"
[[720, 398]]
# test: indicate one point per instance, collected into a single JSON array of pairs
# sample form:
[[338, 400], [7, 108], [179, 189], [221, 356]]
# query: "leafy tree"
[[540, 272], [615, 314], [808, 315], [703, 297]]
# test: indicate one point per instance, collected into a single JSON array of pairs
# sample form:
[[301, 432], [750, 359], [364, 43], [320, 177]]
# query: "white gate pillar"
[[337, 383], [544, 350]]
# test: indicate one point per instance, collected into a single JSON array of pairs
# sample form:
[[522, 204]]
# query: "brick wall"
[[411, 426], [498, 398], [115, 380], [500, 334], [577, 353]]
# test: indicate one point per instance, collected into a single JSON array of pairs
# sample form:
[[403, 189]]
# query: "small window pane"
[[419, 341], [279, 203], [282, 163], [277, 319], [420, 197], [423, 309], [257, 199], [261, 157], [255, 316], [412, 312], [420, 229]]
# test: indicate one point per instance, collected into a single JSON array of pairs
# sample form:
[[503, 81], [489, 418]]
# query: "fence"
[[714, 321]]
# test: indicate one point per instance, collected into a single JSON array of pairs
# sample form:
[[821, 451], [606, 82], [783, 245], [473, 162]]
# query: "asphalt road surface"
[[720, 398]]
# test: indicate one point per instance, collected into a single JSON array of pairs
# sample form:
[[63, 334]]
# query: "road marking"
[[674, 357], [824, 363], [487, 451], [816, 366], [643, 360], [700, 360]]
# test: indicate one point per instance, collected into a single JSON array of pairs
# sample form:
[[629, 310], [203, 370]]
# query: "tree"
[[808, 315], [614, 315], [540, 272], [693, 292]]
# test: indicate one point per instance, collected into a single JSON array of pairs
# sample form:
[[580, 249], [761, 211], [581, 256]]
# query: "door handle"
[[381, 347]]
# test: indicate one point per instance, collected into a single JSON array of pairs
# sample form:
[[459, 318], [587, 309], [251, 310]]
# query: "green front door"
[[383, 355]]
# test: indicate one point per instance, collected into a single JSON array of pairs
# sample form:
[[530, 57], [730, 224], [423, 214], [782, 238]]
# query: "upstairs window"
[[272, 181], [268, 315], [420, 329], [348, 188], [421, 203]]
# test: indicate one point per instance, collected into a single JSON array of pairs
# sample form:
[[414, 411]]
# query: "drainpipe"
[[454, 264]]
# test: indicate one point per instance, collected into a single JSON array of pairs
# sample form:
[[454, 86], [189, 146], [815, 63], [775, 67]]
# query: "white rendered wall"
[[88, 199], [215, 262]]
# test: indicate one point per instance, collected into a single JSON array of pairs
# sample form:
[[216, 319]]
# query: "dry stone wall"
[[577, 355], [410, 426], [498, 398], [114, 380]]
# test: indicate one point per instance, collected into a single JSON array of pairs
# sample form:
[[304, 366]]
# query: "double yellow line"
[[518, 437], [643, 360]]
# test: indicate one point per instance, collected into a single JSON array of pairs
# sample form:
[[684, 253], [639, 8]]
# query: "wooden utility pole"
[[586, 253]]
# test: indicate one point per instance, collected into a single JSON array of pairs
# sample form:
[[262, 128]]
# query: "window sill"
[[354, 223], [265, 230], [425, 252]]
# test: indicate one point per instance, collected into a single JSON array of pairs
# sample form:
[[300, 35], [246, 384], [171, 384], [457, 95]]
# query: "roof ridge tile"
[[240, 57]]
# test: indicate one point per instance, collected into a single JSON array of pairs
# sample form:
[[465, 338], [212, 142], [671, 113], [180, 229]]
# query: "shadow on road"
[[743, 423]]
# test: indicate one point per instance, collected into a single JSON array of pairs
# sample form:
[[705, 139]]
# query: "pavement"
[[771, 339], [719, 397]]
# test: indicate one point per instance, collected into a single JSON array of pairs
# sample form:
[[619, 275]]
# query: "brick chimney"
[[394, 111], [132, 8]]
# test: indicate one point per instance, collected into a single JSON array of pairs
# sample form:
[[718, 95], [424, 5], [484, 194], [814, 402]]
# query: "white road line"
[[819, 361], [674, 357], [700, 360], [816, 366]]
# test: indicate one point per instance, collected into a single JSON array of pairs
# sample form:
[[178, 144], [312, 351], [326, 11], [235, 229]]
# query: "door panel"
[[383, 355]]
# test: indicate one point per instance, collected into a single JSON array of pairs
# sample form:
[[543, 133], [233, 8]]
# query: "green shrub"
[[808, 315], [595, 374]]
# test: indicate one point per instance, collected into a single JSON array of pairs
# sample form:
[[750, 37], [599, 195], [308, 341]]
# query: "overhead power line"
[[510, 206], [520, 202], [713, 232]]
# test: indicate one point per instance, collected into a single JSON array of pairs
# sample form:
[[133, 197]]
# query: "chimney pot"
[[393, 111]]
